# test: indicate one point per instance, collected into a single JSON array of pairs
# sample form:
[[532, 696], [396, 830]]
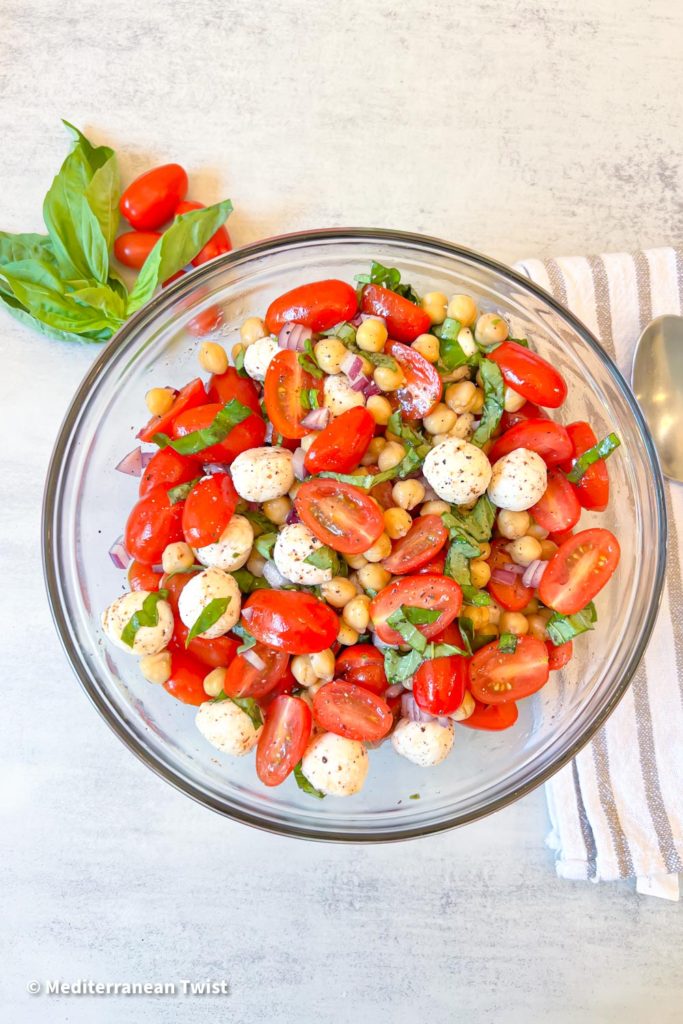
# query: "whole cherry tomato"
[[319, 305], [437, 593], [559, 656], [547, 438], [423, 541], [189, 397], [286, 381], [492, 717], [143, 577], [217, 244], [250, 433], [349, 710], [592, 489], [168, 469], [404, 320], [209, 507], [339, 514], [578, 570], [284, 739], [422, 388], [363, 664], [152, 199], [186, 682], [342, 444], [439, 684], [559, 507], [529, 375], [133, 248], [152, 525], [497, 677], [290, 620]]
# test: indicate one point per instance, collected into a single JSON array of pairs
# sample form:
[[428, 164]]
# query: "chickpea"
[[251, 330], [338, 592], [548, 549], [347, 635], [495, 612], [477, 402], [489, 630], [513, 400], [525, 550], [408, 493], [256, 563], [213, 682], [388, 379], [379, 550], [156, 668], [537, 531], [440, 420], [513, 524], [490, 329], [428, 347], [514, 622], [294, 489], [391, 455], [355, 561], [434, 508], [322, 664], [373, 576], [372, 335], [277, 510], [329, 354], [531, 608], [177, 556], [159, 400], [379, 408], [213, 358], [236, 351], [357, 613], [397, 522], [464, 426], [459, 397], [372, 454], [434, 305], [459, 373], [536, 626], [466, 708], [485, 549], [302, 670], [479, 617], [463, 308], [480, 573]]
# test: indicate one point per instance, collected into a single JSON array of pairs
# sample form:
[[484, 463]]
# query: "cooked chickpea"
[[373, 576], [277, 510], [357, 613], [256, 563], [485, 549], [329, 354], [294, 489], [428, 347], [514, 622], [490, 329], [371, 335], [524, 550], [464, 426], [159, 400], [372, 454], [388, 379], [379, 408], [536, 626], [495, 612], [397, 522], [379, 550], [466, 708], [302, 670], [408, 493], [347, 635], [434, 305], [459, 397], [537, 531], [213, 358], [434, 508], [531, 608], [440, 420], [322, 663], [477, 402], [463, 308], [489, 630], [513, 524], [391, 455], [213, 682], [548, 549], [338, 591], [156, 668], [479, 617], [356, 561], [251, 330], [177, 556], [480, 573], [513, 400], [459, 373]]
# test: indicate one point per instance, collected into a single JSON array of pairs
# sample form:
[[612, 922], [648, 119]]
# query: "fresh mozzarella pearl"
[[203, 588], [258, 356], [233, 547], [334, 765], [518, 480], [225, 726], [148, 639], [261, 474], [423, 743], [459, 472], [339, 395], [293, 546]]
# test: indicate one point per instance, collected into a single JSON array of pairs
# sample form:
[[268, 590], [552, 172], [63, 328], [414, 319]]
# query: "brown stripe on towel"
[[557, 282], [586, 830], [609, 807]]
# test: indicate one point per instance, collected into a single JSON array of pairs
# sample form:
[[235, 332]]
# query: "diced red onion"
[[273, 575], [131, 464], [430, 494], [533, 574], [119, 555], [371, 389], [215, 467], [253, 658], [512, 567], [357, 320], [394, 691], [294, 336], [158, 568], [293, 517], [411, 711], [502, 576], [298, 467], [248, 612], [316, 419], [443, 721], [360, 383], [269, 433], [351, 365]]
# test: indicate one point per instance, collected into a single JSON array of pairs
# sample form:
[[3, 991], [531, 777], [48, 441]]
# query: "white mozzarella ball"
[[335, 765], [424, 743], [203, 588], [261, 474], [232, 549], [225, 726], [257, 357], [518, 480], [148, 639], [339, 395], [459, 472], [293, 546]]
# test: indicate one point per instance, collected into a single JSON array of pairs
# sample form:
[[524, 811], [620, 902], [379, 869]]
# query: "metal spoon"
[[657, 380]]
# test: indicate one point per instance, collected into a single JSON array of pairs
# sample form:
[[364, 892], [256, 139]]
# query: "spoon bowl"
[[657, 378]]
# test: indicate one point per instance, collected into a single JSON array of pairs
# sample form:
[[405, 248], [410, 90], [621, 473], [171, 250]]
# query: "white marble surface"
[[514, 126]]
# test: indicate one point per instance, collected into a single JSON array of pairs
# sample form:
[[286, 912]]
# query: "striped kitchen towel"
[[617, 809]]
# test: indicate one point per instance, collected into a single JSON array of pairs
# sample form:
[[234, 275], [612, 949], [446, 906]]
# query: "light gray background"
[[514, 126]]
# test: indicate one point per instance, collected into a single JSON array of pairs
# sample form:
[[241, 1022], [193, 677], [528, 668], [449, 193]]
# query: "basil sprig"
[[408, 464], [148, 615], [562, 628], [507, 643], [196, 441], [304, 784], [602, 450], [208, 617], [307, 360], [390, 278], [494, 401]]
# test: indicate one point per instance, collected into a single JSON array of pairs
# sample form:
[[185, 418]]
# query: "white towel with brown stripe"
[[617, 809]]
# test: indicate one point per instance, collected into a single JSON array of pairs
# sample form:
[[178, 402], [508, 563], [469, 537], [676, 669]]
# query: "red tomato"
[[208, 320], [174, 584], [513, 596], [143, 577], [549, 439], [284, 739], [559, 656], [209, 507], [363, 664], [559, 507], [186, 206], [578, 570], [496, 677], [133, 248], [168, 469], [290, 620], [189, 397], [349, 710], [319, 305], [451, 635], [217, 244], [492, 717], [422, 389], [433, 592], [592, 489], [434, 566], [560, 537], [223, 387], [151, 199], [529, 375], [529, 411], [340, 515], [421, 544], [285, 684], [186, 682], [342, 444], [439, 684], [250, 433], [245, 679], [404, 320], [153, 524], [284, 383], [383, 493], [216, 653]]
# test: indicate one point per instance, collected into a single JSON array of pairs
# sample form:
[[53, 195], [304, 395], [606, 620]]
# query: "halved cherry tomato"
[[592, 489], [342, 444], [560, 537], [186, 682], [404, 320], [363, 664], [319, 305], [435, 565], [578, 570], [153, 524], [380, 492], [175, 583], [340, 515], [246, 679], [559, 656], [168, 469], [290, 620], [133, 248], [189, 397], [203, 323], [209, 507], [217, 244], [513, 596], [497, 677], [421, 544], [422, 389], [216, 653], [529, 411], [529, 374], [284, 739], [349, 710], [152, 199], [285, 381], [434, 592], [223, 387], [285, 684], [439, 684], [546, 437], [559, 507], [492, 717], [143, 577], [250, 433]]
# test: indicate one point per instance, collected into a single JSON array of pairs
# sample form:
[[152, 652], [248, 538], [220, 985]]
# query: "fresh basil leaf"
[[524, 342], [17, 310], [304, 400], [248, 641], [256, 518], [407, 433], [148, 615], [471, 639], [250, 708], [180, 493], [179, 244], [239, 363], [102, 297], [304, 785], [451, 353], [264, 545], [602, 450], [229, 416], [507, 643], [29, 246], [324, 558], [494, 401], [345, 331], [313, 399], [457, 566], [455, 529], [307, 360], [409, 633], [410, 461], [248, 582], [400, 667], [208, 617], [419, 616], [444, 651], [478, 598], [40, 292], [388, 277], [182, 572], [562, 628], [474, 526]]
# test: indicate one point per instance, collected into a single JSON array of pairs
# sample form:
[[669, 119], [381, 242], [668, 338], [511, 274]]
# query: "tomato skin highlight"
[[151, 199], [579, 570], [439, 684], [512, 596], [491, 717], [152, 525], [529, 375], [404, 320], [592, 489], [547, 438], [243, 679], [349, 710], [283, 740], [285, 380], [559, 508], [342, 444], [290, 620], [186, 682], [423, 387], [133, 247], [189, 397], [422, 543], [250, 433], [168, 469], [497, 677], [143, 577], [319, 305], [339, 514], [209, 507], [559, 656], [421, 591], [224, 387]]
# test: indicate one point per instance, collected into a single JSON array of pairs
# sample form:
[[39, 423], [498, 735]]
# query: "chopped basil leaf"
[[451, 353], [602, 450], [208, 617], [562, 628], [444, 651], [476, 525], [239, 363], [248, 641], [388, 277], [479, 598], [419, 616], [180, 493], [524, 342], [264, 544], [229, 416], [248, 583], [324, 558], [457, 566], [304, 399], [412, 636], [308, 362], [250, 708], [304, 785], [410, 461], [313, 399], [190, 568], [414, 437], [400, 667], [345, 331], [147, 616], [507, 643], [465, 546], [494, 399], [348, 339], [256, 518], [471, 640]]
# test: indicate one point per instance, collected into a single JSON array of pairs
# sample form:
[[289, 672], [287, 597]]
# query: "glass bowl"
[[86, 504]]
